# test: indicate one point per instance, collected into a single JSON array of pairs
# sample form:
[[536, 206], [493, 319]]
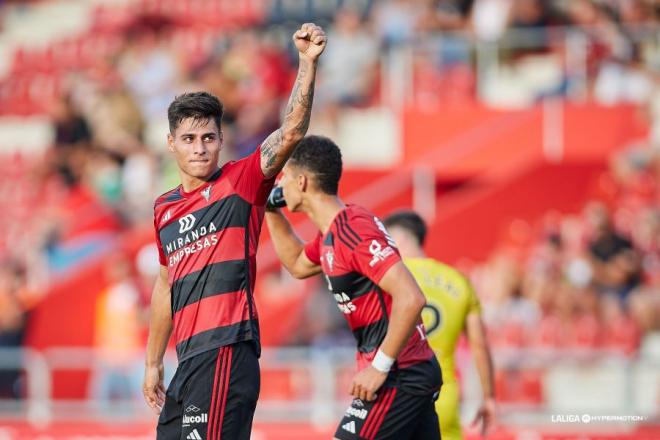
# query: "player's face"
[[291, 188], [196, 147]]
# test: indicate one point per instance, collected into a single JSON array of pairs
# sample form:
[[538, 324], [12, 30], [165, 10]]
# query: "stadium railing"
[[309, 385], [569, 76]]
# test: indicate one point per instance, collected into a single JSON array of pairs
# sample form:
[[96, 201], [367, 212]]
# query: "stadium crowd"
[[586, 280]]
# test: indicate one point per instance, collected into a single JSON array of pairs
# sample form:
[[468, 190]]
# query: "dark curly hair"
[[322, 157], [201, 106], [409, 221]]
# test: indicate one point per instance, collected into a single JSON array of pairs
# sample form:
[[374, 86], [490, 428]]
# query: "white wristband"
[[382, 362]]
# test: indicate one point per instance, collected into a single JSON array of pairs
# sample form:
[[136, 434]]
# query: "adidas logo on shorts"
[[350, 427], [194, 435]]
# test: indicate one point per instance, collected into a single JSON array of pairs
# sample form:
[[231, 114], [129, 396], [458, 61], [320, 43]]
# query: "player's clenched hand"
[[366, 383], [310, 40], [275, 199], [153, 388]]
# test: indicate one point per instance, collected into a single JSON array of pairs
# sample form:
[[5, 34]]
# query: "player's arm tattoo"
[[277, 147], [269, 150]]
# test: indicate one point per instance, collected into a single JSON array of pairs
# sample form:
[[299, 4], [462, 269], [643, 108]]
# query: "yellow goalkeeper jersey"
[[449, 299]]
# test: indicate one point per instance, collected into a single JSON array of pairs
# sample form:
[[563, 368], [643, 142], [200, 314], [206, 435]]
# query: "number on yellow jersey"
[[432, 316]]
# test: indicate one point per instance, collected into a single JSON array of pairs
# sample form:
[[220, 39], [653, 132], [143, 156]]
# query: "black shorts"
[[212, 396], [395, 414]]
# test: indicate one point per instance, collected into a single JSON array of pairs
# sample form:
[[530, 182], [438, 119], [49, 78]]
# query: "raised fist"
[[310, 40]]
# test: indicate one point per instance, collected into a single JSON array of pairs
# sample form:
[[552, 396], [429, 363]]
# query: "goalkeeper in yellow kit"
[[451, 307]]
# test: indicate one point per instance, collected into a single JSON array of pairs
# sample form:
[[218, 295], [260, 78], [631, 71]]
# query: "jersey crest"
[[206, 192]]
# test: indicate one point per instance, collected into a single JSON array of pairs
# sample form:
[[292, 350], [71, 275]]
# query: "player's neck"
[[416, 252], [190, 183], [323, 209]]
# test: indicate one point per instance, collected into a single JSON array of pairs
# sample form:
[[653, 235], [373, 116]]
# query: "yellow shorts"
[[448, 414]]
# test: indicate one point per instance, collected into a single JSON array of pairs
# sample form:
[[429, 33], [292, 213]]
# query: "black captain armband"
[[275, 199]]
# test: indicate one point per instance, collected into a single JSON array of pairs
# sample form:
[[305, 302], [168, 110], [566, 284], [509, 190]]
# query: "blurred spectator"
[[73, 139], [395, 21], [454, 47], [348, 67], [598, 22], [149, 66], [646, 236], [71, 129], [644, 306], [260, 75], [614, 261], [508, 314], [117, 336], [535, 16], [623, 82], [13, 317], [224, 84], [113, 112], [490, 18], [444, 15], [103, 174], [148, 268], [139, 180]]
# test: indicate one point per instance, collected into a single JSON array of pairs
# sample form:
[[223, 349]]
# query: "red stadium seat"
[[112, 19], [532, 386], [586, 332]]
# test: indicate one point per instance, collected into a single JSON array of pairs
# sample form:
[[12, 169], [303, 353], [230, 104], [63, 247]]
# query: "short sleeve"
[[312, 250], [474, 306], [374, 254], [161, 254], [248, 179]]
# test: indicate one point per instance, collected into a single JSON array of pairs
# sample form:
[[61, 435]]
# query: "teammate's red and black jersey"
[[355, 254], [208, 240]]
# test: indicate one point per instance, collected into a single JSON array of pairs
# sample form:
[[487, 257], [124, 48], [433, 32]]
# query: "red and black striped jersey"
[[208, 240], [355, 254]]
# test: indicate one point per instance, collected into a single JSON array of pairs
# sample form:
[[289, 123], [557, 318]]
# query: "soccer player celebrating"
[[452, 306], [207, 231], [398, 375]]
